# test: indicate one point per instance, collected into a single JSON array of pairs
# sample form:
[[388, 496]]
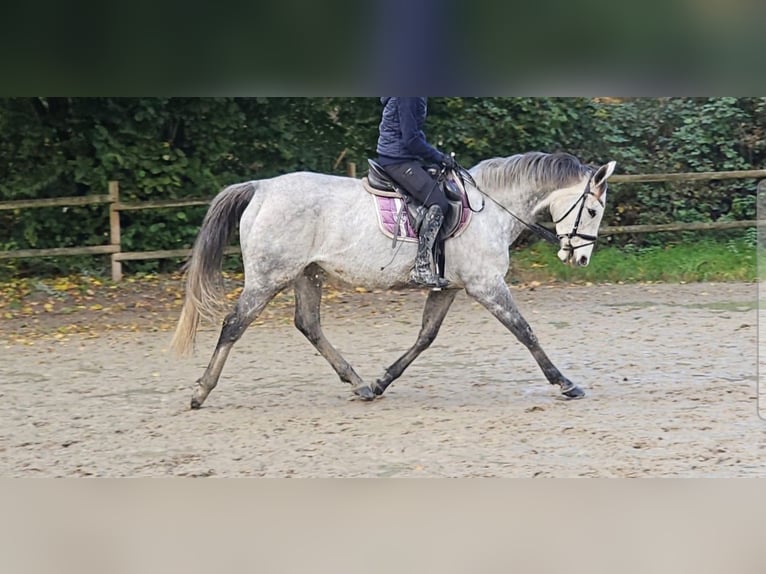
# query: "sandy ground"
[[669, 370]]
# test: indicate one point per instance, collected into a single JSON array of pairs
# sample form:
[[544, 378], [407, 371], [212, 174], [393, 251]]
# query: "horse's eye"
[[592, 212]]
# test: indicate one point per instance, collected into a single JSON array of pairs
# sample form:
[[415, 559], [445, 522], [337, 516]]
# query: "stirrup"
[[440, 284]]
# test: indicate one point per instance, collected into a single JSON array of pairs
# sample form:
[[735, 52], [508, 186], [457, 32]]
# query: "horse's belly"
[[370, 272]]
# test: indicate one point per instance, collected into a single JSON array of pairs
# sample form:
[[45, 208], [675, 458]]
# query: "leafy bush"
[[166, 148]]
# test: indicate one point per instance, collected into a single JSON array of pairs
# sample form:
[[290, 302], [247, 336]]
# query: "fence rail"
[[696, 176], [160, 204], [114, 248], [54, 202], [60, 251]]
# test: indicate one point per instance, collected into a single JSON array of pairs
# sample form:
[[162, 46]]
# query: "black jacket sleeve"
[[412, 136]]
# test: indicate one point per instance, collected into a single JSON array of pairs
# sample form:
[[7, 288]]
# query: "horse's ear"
[[600, 177]]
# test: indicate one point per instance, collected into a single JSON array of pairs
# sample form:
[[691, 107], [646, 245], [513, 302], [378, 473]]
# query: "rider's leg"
[[416, 181]]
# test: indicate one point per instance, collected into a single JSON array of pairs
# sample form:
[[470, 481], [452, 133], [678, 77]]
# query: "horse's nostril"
[[583, 260]]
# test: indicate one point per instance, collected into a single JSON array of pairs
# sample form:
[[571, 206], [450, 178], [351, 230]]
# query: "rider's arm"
[[412, 136]]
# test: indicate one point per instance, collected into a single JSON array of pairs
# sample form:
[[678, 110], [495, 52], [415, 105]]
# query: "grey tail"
[[204, 285]]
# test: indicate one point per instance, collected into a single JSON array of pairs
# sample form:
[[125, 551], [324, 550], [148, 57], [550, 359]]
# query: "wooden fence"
[[115, 206]]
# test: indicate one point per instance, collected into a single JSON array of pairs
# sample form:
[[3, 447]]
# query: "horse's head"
[[577, 212]]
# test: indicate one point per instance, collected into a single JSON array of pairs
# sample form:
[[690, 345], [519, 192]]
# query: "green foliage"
[[166, 148], [478, 128], [668, 135]]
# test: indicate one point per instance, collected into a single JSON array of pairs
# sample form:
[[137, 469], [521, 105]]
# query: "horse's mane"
[[543, 171]]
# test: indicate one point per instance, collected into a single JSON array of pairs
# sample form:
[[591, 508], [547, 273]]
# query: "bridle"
[[539, 230], [591, 239]]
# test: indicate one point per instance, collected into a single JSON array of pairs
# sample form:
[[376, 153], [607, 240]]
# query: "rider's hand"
[[449, 162]]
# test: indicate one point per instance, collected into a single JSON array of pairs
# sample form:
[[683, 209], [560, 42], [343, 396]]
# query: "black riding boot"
[[423, 273]]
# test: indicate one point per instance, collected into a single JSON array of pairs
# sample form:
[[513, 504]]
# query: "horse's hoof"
[[365, 393], [574, 392], [378, 389]]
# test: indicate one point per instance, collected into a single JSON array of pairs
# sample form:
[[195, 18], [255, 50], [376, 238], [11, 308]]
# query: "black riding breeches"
[[416, 181]]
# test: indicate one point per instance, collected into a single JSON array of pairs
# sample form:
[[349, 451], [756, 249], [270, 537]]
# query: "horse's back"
[[300, 202], [306, 181], [301, 218]]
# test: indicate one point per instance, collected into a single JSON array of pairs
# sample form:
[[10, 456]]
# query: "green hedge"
[[162, 148]]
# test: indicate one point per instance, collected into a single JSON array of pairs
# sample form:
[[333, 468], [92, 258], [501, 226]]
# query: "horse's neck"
[[521, 201]]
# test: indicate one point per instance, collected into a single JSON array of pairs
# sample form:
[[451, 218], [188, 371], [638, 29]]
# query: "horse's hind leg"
[[249, 305], [437, 305], [308, 297], [497, 298]]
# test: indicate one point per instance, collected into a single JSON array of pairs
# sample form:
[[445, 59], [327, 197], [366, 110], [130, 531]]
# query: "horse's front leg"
[[497, 298], [437, 305]]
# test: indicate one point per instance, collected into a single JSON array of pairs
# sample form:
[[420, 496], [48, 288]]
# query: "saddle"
[[379, 183]]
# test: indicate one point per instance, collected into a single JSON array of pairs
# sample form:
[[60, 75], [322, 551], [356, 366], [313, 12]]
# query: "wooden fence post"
[[351, 169], [114, 228]]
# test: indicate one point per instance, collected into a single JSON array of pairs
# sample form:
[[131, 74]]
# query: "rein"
[[464, 176], [536, 228]]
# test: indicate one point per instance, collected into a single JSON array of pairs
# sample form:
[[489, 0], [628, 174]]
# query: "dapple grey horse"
[[297, 227]]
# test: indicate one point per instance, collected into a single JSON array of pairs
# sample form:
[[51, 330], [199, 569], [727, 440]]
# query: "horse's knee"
[[526, 332]]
